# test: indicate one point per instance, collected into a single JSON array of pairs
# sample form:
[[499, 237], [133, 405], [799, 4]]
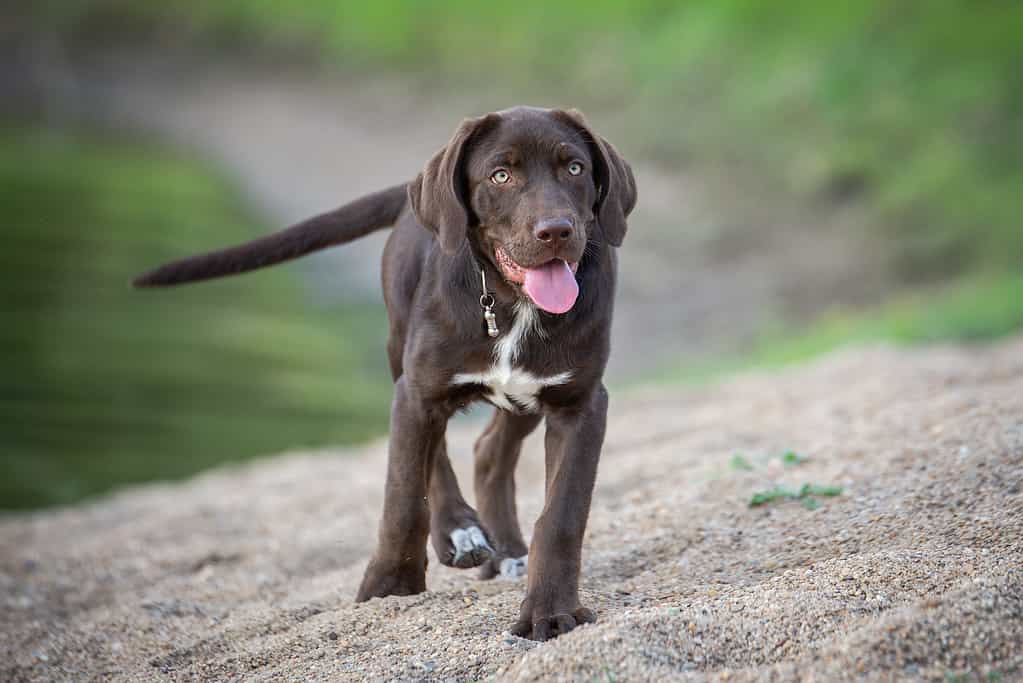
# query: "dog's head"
[[530, 188]]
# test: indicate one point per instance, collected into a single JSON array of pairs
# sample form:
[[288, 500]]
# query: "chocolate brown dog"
[[499, 281]]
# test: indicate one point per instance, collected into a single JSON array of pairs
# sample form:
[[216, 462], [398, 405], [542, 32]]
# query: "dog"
[[499, 281]]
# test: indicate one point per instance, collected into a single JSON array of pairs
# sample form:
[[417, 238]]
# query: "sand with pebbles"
[[914, 572]]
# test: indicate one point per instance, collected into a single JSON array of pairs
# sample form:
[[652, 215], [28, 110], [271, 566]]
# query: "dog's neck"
[[596, 281], [480, 262]]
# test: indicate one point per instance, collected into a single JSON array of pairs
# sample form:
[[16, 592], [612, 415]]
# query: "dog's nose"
[[554, 229]]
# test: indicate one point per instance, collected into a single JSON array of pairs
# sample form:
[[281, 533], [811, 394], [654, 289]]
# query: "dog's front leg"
[[574, 438], [399, 565]]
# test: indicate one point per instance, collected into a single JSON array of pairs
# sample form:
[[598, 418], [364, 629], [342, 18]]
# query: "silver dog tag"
[[487, 303]]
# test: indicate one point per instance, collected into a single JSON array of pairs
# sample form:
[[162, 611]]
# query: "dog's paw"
[[383, 579], [551, 626], [468, 547], [512, 568], [500, 566]]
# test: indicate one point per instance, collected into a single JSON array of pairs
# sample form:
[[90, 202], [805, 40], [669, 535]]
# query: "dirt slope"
[[914, 572]]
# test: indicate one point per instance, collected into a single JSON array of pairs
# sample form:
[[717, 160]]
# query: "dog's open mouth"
[[551, 285]]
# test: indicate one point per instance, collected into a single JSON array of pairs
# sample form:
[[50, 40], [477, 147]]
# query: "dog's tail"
[[350, 222]]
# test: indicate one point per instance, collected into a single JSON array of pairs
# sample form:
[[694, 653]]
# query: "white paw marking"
[[514, 567], [513, 388], [465, 541]]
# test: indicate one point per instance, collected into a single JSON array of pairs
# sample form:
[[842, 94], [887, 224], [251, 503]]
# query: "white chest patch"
[[513, 388]]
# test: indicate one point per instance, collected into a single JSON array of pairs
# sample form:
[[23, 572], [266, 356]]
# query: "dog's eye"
[[500, 176], [575, 168]]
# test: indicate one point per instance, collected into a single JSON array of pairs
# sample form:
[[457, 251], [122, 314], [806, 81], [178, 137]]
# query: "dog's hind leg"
[[459, 538], [497, 454]]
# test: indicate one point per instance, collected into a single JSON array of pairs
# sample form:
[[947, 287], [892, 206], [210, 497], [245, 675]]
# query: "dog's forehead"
[[530, 133]]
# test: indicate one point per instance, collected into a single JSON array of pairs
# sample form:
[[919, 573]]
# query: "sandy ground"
[[915, 572]]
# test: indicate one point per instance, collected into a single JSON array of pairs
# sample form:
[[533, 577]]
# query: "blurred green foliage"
[[971, 309], [913, 108], [103, 384], [911, 111]]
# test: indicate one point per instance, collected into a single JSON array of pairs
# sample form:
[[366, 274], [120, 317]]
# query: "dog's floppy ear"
[[616, 187], [438, 194]]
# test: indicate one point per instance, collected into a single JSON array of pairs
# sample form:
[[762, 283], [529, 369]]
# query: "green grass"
[[105, 385], [791, 459], [807, 495], [912, 109], [973, 309], [740, 462]]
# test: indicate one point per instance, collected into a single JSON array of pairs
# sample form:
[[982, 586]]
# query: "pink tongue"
[[552, 286]]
